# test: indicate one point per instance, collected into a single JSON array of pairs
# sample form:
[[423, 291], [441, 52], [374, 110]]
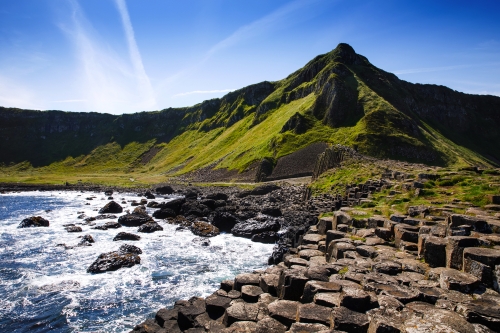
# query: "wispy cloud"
[[135, 56], [195, 92], [70, 101], [108, 82]]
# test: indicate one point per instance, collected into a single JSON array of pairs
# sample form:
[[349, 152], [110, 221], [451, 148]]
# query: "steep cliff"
[[338, 97]]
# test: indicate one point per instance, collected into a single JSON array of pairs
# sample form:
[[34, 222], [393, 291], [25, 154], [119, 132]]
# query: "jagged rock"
[[111, 208], [126, 236], [164, 213], [455, 280], [34, 221], [267, 237], [272, 211], [251, 227], [149, 195], [484, 311], [127, 248], [204, 229], [149, 227], [175, 204], [134, 219], [194, 208], [112, 261]]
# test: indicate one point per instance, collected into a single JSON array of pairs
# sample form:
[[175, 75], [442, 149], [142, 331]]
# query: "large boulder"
[[134, 219], [164, 190], [251, 227], [175, 204], [34, 221], [225, 221], [126, 236], [112, 261], [164, 213], [194, 208], [111, 208]]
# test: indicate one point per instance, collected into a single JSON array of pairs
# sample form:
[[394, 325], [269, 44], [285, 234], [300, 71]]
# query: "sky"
[[125, 56]]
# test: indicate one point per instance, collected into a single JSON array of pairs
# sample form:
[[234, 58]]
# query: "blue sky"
[[123, 56]]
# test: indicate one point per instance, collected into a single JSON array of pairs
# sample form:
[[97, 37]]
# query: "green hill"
[[336, 98]]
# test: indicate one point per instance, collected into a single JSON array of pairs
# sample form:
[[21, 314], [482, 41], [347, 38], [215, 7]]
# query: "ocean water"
[[45, 287]]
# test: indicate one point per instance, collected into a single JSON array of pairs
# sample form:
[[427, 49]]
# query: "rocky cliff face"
[[380, 114]]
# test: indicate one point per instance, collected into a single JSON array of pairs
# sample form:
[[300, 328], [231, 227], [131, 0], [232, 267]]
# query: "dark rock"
[[194, 208], [291, 284], [134, 219], [240, 311], [269, 283], [127, 248], [112, 225], [453, 279], [251, 227], [484, 311], [270, 325], [112, 261], [246, 279], [175, 204], [312, 288], [272, 211], [164, 190], [164, 315], [325, 224], [126, 236], [387, 267], [111, 208], [216, 305], [188, 313], [259, 190], [149, 195], [204, 229], [433, 250], [268, 237], [251, 293], [455, 249], [34, 221], [164, 213], [86, 240], [477, 224], [224, 221], [217, 196], [349, 321], [149, 326], [313, 313], [150, 227]]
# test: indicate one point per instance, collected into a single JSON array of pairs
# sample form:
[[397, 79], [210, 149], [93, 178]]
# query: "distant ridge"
[[337, 98]]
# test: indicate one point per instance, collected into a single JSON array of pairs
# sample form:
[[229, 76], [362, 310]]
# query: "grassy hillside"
[[338, 97]]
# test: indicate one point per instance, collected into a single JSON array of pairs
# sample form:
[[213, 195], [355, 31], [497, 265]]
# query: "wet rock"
[[194, 208], [272, 211], [150, 227], [134, 219], [149, 195], [251, 227], [453, 279], [225, 221], [189, 311], [86, 240], [74, 228], [284, 311], [111, 208], [202, 241], [267, 237], [126, 236], [34, 221], [340, 217], [204, 229], [164, 213], [127, 248], [175, 204], [113, 261]]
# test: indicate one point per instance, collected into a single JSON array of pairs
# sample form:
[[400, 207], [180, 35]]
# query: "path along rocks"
[[417, 276]]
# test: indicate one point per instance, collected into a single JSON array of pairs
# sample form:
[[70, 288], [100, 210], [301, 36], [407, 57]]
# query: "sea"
[[44, 284]]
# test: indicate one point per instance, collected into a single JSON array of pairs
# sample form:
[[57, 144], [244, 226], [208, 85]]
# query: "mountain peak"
[[344, 53]]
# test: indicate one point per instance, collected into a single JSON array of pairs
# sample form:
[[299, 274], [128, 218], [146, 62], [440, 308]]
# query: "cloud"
[[135, 56], [108, 82], [70, 101], [203, 92]]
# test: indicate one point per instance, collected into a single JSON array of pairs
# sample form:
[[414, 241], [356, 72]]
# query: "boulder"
[[111, 208], [204, 229], [269, 283], [126, 236], [194, 208], [272, 211], [134, 219], [127, 248], [164, 190], [267, 237], [187, 314], [225, 221], [149, 227], [349, 321], [164, 213], [315, 314], [34, 221], [174, 204], [251, 227], [112, 261], [74, 228], [86, 240], [216, 305]]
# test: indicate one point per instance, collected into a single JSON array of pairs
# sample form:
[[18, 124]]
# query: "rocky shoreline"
[[424, 271]]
